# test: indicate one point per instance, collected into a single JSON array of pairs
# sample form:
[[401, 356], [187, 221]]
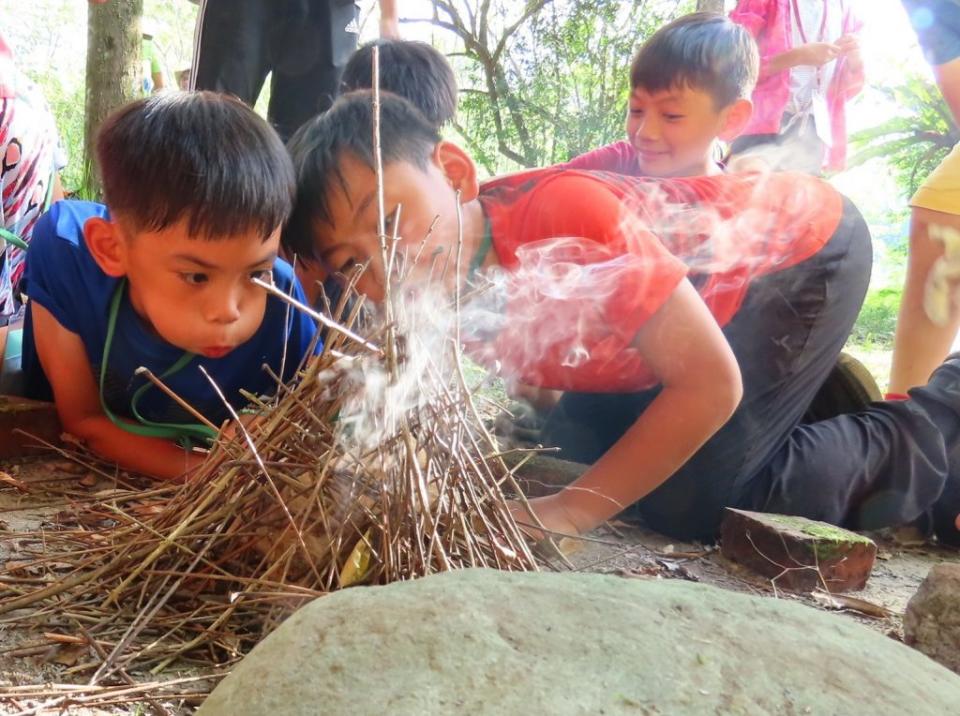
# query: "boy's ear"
[[735, 119], [107, 246], [459, 169]]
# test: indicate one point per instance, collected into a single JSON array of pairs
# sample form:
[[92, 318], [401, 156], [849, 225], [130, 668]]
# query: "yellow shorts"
[[941, 190]]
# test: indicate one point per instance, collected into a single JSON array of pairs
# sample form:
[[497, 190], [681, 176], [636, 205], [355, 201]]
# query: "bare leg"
[[920, 345]]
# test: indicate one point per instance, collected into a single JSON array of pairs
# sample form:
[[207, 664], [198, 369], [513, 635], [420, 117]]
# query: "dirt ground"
[[626, 550]]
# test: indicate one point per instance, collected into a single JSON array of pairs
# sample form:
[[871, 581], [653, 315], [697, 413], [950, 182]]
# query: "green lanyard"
[[184, 433], [12, 239], [485, 245]]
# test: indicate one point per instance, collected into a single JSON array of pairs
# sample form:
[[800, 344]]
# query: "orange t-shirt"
[[588, 257]]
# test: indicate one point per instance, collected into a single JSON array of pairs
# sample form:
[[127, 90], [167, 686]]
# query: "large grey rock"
[[932, 621], [483, 642]]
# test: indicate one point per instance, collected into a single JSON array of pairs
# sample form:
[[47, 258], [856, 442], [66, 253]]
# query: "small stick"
[[317, 316], [144, 371]]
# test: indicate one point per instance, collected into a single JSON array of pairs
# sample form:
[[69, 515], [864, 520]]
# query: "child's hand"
[[249, 421], [817, 53], [748, 163], [850, 49], [848, 44], [550, 514]]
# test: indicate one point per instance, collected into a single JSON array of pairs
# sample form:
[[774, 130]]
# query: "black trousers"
[[887, 465], [305, 43]]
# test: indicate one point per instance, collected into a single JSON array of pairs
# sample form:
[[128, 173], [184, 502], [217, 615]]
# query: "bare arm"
[[948, 79], [389, 19], [812, 53], [920, 345], [684, 346], [64, 361]]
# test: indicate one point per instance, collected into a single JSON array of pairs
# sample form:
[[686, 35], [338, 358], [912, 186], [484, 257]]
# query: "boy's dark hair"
[[199, 155], [347, 129], [414, 70], [702, 50]]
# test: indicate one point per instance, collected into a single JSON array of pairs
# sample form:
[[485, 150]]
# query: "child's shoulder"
[[61, 274], [61, 227]]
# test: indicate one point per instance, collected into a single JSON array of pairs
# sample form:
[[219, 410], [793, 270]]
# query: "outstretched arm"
[[75, 394], [389, 20], [684, 346]]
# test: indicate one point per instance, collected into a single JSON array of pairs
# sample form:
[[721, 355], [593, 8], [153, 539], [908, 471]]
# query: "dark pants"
[[797, 148], [887, 465], [305, 43]]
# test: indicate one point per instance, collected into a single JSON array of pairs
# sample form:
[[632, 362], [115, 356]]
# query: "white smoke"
[[568, 308], [380, 400]]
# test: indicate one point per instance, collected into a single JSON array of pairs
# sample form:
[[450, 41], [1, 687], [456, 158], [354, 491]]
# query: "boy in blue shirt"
[[197, 187]]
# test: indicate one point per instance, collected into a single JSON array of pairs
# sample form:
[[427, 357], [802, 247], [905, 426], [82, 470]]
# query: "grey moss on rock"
[[484, 642]]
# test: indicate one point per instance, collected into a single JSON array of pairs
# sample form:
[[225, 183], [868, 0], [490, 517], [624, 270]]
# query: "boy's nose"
[[648, 129], [224, 308]]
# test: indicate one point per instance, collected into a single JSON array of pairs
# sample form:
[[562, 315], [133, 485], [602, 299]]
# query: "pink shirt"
[[770, 22]]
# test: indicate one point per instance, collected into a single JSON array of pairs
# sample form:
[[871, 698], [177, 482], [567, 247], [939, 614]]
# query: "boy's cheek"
[[371, 286]]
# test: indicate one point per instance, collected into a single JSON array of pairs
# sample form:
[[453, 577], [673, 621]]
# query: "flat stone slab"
[[797, 553], [486, 642], [29, 416]]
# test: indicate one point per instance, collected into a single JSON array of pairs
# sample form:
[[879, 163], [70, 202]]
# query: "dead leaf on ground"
[[88, 480], [69, 439], [13, 566], [67, 466], [69, 654], [844, 601], [9, 479]]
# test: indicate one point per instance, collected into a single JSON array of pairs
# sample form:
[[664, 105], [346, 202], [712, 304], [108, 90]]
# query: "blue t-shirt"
[[63, 277], [937, 23]]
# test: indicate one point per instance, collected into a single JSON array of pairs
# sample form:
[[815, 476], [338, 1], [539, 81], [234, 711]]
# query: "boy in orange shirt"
[[701, 314]]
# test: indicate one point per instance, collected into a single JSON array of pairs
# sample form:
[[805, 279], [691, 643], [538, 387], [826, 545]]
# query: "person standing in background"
[[928, 320], [30, 158], [305, 43], [810, 65], [154, 68]]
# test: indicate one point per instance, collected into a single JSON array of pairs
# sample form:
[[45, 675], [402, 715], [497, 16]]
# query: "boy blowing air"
[[717, 310], [417, 72], [197, 187]]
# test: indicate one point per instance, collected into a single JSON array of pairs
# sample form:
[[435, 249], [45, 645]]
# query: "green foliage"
[[915, 140], [878, 318], [544, 81], [66, 103], [49, 42]]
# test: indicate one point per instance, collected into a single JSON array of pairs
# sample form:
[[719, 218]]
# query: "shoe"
[[850, 388]]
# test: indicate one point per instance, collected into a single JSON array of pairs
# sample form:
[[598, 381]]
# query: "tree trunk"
[[710, 5], [114, 71]]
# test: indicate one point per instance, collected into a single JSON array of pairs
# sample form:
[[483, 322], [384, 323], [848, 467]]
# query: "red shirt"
[[589, 257], [619, 157]]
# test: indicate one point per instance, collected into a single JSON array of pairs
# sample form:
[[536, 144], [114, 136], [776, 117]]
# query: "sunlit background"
[[49, 39]]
